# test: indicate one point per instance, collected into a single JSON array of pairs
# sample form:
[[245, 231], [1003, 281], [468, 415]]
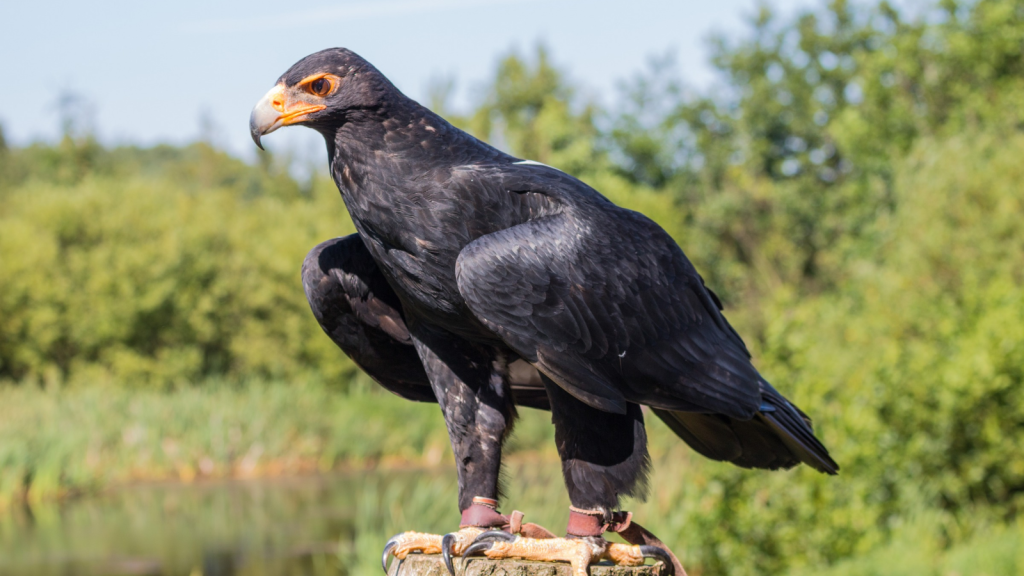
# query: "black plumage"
[[479, 280]]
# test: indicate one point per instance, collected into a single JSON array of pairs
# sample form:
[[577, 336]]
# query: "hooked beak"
[[277, 108]]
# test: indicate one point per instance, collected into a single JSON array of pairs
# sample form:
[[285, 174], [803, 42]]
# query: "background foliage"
[[851, 188]]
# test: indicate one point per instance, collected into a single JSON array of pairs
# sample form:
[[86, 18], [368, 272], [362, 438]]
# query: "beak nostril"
[[278, 104]]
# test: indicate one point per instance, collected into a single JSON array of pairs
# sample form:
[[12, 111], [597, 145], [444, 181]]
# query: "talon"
[[387, 551], [477, 547], [661, 556], [494, 535], [446, 552]]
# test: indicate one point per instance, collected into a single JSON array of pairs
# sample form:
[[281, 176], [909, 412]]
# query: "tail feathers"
[[709, 434], [778, 436], [793, 427]]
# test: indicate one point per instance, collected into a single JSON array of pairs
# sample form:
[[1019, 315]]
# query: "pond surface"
[[292, 526], [317, 526]]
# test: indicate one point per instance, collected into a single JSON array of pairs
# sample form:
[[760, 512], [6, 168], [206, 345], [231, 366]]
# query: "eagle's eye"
[[320, 87]]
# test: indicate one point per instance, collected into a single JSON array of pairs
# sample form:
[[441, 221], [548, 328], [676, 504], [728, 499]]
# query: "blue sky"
[[151, 71]]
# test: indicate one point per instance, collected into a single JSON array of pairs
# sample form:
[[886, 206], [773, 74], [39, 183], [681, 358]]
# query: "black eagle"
[[481, 281]]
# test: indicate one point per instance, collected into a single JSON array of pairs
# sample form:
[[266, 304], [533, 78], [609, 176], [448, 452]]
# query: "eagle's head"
[[320, 91]]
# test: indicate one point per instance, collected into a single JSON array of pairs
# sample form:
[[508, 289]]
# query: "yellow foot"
[[455, 543], [578, 552]]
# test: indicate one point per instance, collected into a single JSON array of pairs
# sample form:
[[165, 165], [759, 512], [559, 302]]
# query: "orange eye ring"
[[320, 87]]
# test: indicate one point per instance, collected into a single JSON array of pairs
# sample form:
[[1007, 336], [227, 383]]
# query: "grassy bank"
[[64, 441], [92, 439], [89, 438]]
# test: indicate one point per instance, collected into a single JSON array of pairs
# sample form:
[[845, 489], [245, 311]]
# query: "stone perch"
[[432, 565]]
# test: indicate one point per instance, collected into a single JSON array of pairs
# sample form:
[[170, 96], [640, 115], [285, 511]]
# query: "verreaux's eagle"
[[479, 280]]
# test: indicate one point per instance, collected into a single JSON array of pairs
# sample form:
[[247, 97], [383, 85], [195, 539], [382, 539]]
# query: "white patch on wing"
[[534, 163]]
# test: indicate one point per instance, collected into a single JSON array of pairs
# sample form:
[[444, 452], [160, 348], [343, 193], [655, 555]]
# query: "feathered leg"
[[604, 457], [471, 383]]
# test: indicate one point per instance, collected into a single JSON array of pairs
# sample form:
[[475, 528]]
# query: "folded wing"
[[604, 302]]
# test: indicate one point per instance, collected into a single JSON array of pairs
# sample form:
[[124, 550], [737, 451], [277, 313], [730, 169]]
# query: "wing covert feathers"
[[605, 304]]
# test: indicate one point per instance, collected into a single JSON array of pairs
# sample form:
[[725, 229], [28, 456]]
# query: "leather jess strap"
[[595, 523], [483, 516], [639, 536]]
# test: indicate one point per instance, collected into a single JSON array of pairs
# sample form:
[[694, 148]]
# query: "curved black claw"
[[477, 547], [446, 552], [662, 556], [492, 535], [387, 551]]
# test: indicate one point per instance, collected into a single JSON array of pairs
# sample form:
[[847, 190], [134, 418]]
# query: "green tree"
[[530, 110]]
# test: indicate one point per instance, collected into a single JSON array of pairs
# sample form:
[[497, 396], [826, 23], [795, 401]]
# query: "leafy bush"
[[913, 370], [150, 277]]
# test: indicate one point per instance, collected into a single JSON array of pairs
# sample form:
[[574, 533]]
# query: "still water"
[[317, 526], [307, 525]]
